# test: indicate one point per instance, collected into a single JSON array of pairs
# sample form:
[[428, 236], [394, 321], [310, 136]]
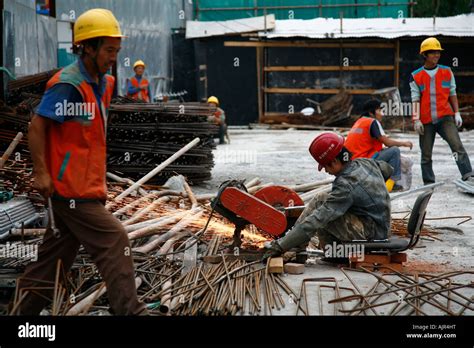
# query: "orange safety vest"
[[218, 115], [141, 94], [359, 142], [434, 102], [76, 148]]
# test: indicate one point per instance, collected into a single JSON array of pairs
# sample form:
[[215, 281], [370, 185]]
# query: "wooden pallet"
[[375, 261]]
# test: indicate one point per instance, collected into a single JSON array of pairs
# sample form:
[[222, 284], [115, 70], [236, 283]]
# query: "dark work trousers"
[[103, 237], [391, 155], [222, 130], [448, 131]]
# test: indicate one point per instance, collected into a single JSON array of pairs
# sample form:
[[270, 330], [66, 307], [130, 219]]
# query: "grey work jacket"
[[358, 189]]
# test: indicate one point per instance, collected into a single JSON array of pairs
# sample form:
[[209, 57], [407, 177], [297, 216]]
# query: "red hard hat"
[[325, 148]]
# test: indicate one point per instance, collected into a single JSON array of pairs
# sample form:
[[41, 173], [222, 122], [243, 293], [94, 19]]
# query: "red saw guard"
[[279, 196], [257, 211]]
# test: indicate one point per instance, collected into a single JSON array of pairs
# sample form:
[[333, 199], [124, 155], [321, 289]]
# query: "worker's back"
[[370, 198]]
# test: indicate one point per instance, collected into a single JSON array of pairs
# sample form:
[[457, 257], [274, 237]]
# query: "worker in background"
[[138, 87], [357, 208], [69, 156], [219, 118], [366, 139], [436, 110]]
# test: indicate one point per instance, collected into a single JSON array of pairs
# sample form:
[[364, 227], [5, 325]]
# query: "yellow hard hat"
[[213, 99], [97, 22], [138, 63], [430, 44]]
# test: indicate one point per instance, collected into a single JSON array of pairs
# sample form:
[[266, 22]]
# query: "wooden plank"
[[315, 90], [398, 258], [464, 73], [307, 44], [371, 259], [276, 265], [331, 68]]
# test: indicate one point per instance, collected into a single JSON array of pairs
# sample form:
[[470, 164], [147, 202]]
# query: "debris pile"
[[334, 111]]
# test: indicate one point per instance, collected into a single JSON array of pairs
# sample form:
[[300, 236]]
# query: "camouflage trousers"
[[346, 228]]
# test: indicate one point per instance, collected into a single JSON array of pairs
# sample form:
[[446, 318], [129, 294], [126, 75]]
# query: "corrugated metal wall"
[[147, 23], [234, 9], [34, 38]]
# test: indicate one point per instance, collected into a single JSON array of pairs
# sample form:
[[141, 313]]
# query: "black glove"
[[274, 250]]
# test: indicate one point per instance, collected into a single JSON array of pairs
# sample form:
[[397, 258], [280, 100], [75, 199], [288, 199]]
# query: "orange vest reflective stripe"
[[434, 102], [359, 141], [141, 94], [76, 149]]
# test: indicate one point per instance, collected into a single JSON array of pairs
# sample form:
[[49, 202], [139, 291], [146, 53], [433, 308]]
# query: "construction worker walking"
[[219, 118], [69, 156], [357, 208], [367, 138], [436, 110], [138, 87]]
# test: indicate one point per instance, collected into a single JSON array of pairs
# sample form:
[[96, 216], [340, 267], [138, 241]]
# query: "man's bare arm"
[[392, 142], [37, 144]]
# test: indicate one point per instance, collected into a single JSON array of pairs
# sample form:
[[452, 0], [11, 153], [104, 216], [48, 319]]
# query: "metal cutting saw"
[[272, 209]]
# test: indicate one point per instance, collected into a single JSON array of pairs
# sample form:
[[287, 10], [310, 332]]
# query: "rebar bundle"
[[15, 212], [32, 84], [141, 136]]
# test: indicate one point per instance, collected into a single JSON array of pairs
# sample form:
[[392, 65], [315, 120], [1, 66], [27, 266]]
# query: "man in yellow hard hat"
[[219, 119], [68, 149], [436, 110], [138, 87]]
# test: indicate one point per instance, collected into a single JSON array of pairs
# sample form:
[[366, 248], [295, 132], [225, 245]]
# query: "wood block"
[[398, 258], [276, 265], [396, 266], [370, 258], [372, 267], [294, 268]]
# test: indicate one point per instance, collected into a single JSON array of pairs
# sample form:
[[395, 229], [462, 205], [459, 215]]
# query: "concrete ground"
[[281, 157]]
